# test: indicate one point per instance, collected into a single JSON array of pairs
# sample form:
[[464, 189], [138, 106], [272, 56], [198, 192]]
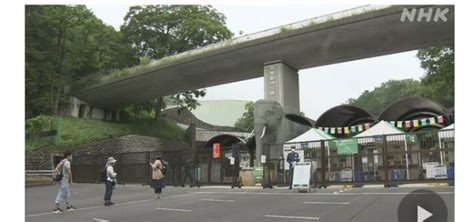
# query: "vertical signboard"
[[216, 150]]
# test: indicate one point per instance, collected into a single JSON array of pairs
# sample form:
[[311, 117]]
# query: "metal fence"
[[220, 170], [130, 167], [387, 159]]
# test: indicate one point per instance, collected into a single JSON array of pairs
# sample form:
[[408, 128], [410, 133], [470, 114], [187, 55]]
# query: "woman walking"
[[110, 181], [157, 176]]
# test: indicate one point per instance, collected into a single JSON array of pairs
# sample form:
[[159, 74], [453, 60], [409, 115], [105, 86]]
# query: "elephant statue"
[[272, 129]]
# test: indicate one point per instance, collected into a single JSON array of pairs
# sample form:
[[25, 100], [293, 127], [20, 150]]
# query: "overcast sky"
[[320, 88]]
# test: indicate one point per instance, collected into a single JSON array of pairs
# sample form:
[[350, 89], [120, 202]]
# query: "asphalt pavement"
[[135, 203]]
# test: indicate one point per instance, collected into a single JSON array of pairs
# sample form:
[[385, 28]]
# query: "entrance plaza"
[[214, 203], [396, 164]]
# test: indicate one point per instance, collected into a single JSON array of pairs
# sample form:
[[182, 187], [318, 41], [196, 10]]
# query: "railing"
[[39, 172]]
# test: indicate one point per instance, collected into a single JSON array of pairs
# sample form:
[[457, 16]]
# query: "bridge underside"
[[369, 34]]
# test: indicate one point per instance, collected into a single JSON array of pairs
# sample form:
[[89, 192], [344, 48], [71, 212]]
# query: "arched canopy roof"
[[415, 108], [412, 108], [225, 140], [344, 115]]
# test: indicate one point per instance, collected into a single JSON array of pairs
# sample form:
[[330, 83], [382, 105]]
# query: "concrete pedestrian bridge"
[[278, 54]]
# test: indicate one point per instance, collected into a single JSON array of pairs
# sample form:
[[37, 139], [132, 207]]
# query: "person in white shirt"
[[110, 181], [64, 168]]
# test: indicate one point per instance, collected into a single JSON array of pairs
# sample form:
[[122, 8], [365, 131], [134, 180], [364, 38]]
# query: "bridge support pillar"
[[116, 116], [281, 84]]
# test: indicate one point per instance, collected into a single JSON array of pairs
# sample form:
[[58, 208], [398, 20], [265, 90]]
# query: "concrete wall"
[[43, 159], [97, 113]]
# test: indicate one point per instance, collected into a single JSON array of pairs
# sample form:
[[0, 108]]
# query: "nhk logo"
[[424, 15]]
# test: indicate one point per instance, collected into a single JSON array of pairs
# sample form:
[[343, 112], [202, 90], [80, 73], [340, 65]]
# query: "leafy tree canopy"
[[157, 31], [245, 122], [62, 45], [437, 83]]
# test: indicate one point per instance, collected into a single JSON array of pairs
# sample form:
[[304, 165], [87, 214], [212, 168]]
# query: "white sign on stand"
[[301, 176], [263, 159], [232, 160]]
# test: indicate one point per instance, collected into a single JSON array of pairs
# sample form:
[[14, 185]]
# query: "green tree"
[[245, 122], [62, 45], [377, 99], [438, 81], [157, 31]]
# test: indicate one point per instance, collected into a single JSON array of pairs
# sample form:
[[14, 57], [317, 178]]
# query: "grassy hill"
[[78, 130]]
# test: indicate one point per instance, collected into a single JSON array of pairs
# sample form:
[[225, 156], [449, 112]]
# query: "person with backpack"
[[63, 175], [158, 175], [110, 181]]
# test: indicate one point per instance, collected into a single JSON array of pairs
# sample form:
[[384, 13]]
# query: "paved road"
[[134, 203]]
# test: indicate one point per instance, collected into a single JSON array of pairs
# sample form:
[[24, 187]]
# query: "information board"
[[302, 175], [346, 146], [258, 174]]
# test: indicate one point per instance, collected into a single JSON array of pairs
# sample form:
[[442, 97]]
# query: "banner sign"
[[258, 174], [216, 150], [346, 146]]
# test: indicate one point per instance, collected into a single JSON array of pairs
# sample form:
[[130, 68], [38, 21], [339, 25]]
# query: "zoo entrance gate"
[[386, 159]]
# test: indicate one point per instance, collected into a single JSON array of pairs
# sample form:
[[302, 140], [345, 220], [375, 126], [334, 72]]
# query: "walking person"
[[158, 176], [64, 175], [292, 158], [110, 181], [187, 168]]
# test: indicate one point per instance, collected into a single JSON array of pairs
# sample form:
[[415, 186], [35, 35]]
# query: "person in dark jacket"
[[187, 168], [292, 158]]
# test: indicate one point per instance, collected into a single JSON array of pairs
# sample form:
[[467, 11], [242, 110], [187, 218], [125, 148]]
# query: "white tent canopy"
[[312, 134], [379, 129], [309, 139], [446, 132]]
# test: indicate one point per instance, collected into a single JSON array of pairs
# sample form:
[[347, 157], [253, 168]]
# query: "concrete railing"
[[38, 177]]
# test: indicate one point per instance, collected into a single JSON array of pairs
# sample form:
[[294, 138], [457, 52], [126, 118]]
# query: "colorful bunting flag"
[[399, 124], [440, 119], [415, 123], [367, 126], [353, 129], [432, 121], [408, 124], [423, 122]]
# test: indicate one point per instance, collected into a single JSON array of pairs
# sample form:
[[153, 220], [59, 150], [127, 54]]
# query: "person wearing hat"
[[110, 181], [292, 158], [157, 176]]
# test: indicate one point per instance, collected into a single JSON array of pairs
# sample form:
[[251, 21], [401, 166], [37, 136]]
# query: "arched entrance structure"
[[220, 170]]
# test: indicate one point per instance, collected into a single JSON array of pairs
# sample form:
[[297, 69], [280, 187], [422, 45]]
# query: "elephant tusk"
[[263, 132]]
